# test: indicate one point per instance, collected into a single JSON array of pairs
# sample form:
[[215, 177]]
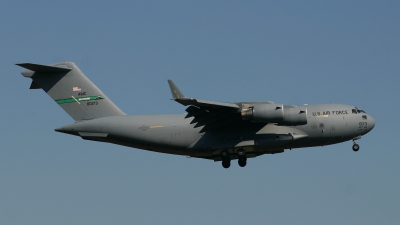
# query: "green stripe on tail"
[[80, 99]]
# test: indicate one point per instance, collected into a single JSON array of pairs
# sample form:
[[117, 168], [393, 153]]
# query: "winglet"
[[176, 93]]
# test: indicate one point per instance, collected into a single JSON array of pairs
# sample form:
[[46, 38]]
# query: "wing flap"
[[209, 114], [220, 123], [206, 103], [178, 96]]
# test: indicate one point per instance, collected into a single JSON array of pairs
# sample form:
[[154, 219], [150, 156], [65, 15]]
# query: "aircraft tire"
[[226, 164], [242, 162], [224, 154], [356, 147]]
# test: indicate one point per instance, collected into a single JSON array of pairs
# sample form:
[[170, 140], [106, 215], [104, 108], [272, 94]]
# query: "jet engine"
[[276, 113]]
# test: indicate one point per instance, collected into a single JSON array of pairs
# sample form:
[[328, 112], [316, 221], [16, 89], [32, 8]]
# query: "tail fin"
[[66, 84]]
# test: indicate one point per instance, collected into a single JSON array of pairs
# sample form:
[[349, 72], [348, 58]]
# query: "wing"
[[210, 114]]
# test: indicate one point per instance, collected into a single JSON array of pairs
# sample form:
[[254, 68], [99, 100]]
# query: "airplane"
[[218, 131]]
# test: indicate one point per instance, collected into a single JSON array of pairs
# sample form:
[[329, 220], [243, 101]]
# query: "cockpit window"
[[354, 111], [358, 110], [364, 117]]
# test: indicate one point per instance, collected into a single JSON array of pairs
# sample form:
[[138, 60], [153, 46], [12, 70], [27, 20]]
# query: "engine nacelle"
[[271, 113], [276, 113], [295, 116]]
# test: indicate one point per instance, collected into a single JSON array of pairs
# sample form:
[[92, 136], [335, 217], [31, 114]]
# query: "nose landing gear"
[[356, 147]]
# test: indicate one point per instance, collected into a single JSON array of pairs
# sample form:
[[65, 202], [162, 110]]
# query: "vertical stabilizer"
[[66, 84]]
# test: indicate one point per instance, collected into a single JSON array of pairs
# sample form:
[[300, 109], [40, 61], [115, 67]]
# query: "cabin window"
[[364, 117]]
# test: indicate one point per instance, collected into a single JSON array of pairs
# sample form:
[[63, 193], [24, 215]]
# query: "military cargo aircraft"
[[218, 131]]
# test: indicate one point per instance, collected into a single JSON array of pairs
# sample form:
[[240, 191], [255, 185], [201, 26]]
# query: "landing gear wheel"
[[226, 160], [242, 157], [226, 164], [242, 162], [356, 147], [241, 152], [224, 154]]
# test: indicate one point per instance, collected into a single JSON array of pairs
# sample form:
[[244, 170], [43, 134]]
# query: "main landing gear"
[[242, 161], [356, 147], [226, 160]]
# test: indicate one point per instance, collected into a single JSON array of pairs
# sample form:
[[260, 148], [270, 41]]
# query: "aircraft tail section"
[[66, 84]]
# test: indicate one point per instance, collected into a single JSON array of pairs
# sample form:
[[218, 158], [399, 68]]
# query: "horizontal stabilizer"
[[43, 68]]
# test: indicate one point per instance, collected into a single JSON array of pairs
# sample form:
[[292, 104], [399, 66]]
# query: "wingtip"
[[21, 64], [176, 93]]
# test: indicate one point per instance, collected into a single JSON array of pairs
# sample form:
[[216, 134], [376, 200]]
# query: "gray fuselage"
[[326, 124]]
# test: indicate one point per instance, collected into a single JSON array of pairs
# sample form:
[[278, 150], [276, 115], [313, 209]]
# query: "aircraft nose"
[[371, 122]]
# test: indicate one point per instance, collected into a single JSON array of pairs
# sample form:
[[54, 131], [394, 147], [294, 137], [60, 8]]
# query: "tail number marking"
[[92, 103], [362, 125]]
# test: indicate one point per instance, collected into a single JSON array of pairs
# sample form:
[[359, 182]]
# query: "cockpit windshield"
[[357, 110]]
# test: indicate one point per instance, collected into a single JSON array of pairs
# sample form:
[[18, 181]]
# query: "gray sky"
[[294, 52]]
